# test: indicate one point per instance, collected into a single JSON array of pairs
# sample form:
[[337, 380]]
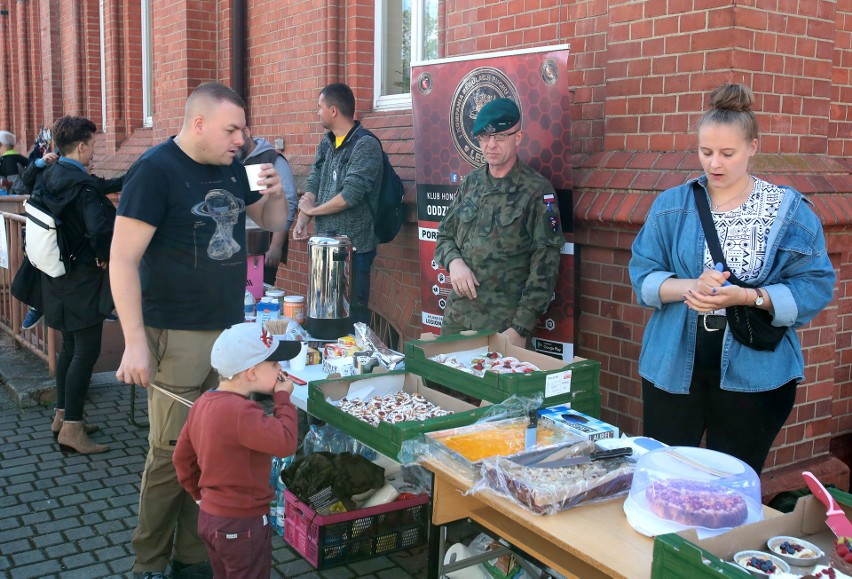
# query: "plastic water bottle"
[[316, 440], [340, 442], [274, 477], [250, 311], [280, 499], [280, 520]]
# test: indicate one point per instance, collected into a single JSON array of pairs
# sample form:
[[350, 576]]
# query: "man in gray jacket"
[[343, 187], [256, 151]]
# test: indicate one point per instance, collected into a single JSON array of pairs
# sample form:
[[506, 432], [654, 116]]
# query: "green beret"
[[497, 116]]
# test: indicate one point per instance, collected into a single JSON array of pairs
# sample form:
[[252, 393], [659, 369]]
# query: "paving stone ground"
[[71, 516]]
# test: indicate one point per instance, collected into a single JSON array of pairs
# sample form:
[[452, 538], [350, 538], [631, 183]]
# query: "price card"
[[557, 383]]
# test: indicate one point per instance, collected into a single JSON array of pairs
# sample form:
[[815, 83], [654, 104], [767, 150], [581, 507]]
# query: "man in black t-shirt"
[[178, 275]]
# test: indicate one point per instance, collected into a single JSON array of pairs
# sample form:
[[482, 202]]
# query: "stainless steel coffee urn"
[[329, 287]]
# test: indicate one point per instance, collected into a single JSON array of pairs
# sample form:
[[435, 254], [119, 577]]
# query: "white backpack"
[[42, 241]]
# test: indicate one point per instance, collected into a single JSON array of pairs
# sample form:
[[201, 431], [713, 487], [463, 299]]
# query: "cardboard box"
[[560, 382], [387, 438], [579, 423], [344, 366], [684, 555]]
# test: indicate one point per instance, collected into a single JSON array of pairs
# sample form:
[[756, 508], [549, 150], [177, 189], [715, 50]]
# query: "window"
[[147, 73], [406, 32]]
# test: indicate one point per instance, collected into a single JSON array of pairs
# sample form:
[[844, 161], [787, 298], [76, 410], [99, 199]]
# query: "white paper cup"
[[253, 174], [298, 363]]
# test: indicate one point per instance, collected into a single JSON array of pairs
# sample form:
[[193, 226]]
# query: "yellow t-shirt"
[[338, 141]]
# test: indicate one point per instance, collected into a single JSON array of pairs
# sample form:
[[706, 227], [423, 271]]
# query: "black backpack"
[[389, 208]]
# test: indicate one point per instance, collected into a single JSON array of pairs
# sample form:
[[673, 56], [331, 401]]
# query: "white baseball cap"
[[245, 345]]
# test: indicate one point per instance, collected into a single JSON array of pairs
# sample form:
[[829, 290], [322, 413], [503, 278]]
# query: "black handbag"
[[750, 326], [26, 286]]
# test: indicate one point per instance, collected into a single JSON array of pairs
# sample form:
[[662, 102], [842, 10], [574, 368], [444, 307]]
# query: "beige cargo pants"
[[168, 516]]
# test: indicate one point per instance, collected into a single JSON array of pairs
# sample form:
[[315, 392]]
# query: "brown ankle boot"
[[73, 437], [59, 418]]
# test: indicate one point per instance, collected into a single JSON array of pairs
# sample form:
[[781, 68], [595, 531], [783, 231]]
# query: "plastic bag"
[[388, 358], [287, 329], [546, 491], [316, 440], [513, 407]]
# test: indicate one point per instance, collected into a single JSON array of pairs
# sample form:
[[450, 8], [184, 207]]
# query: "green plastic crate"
[[387, 438], [585, 374], [676, 556]]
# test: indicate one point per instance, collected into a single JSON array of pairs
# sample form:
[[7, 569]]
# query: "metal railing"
[[40, 340]]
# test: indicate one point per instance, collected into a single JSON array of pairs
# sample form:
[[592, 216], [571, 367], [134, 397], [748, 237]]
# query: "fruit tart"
[[841, 555]]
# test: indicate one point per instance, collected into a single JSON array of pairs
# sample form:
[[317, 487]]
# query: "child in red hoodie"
[[225, 449]]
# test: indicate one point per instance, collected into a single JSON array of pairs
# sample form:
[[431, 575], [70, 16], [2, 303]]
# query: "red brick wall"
[[585, 28], [840, 116], [660, 65]]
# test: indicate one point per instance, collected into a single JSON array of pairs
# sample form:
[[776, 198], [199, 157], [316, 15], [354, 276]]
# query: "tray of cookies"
[[385, 410], [488, 367]]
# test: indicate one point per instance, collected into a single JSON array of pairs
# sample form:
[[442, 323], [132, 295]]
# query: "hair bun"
[[735, 97]]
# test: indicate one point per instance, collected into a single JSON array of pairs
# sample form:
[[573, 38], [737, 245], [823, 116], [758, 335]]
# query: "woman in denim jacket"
[[696, 376]]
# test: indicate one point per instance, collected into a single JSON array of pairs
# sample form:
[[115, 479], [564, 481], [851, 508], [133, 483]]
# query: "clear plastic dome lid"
[[681, 487]]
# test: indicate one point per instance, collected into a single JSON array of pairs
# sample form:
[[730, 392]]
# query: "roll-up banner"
[[446, 96]]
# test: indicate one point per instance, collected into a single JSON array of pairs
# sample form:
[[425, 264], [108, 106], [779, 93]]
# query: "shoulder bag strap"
[[710, 233], [707, 224]]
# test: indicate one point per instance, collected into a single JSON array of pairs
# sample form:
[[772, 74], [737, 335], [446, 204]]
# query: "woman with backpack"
[[77, 303]]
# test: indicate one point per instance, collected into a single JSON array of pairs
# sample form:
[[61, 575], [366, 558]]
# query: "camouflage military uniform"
[[507, 231]]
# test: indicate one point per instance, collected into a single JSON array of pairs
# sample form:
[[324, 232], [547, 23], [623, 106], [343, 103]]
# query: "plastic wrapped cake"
[[681, 487]]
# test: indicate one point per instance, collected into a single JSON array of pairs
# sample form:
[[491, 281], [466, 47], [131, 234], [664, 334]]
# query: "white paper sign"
[[557, 383], [4, 246]]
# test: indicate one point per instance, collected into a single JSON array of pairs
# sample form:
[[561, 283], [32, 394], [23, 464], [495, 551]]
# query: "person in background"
[[12, 165], [42, 145], [34, 168], [697, 378], [337, 194], [178, 277], [77, 302], [500, 238], [254, 152], [223, 454], [28, 180]]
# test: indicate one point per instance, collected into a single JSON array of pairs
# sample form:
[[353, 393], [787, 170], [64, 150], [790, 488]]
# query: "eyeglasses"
[[483, 138]]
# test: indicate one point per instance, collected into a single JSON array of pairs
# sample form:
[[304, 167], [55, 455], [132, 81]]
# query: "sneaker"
[[33, 316], [149, 575], [201, 570], [112, 318]]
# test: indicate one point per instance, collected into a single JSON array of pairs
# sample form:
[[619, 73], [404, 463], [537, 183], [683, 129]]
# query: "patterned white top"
[[743, 231]]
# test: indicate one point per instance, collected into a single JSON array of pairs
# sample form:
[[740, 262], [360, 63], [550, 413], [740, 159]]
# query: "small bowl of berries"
[[761, 564], [794, 551]]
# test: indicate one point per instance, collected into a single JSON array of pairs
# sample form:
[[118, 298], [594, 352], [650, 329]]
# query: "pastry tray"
[[438, 449]]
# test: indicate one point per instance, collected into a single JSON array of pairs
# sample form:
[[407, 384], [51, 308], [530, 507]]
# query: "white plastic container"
[[276, 294], [268, 309]]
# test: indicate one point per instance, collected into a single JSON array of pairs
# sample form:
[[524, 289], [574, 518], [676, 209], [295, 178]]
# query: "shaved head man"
[[178, 276]]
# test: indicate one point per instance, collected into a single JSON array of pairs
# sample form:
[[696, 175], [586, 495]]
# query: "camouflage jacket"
[[508, 232]]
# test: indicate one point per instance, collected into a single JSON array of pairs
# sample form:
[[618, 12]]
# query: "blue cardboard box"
[[579, 423]]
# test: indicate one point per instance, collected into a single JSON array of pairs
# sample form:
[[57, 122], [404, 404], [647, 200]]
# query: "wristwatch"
[[521, 330], [758, 301]]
